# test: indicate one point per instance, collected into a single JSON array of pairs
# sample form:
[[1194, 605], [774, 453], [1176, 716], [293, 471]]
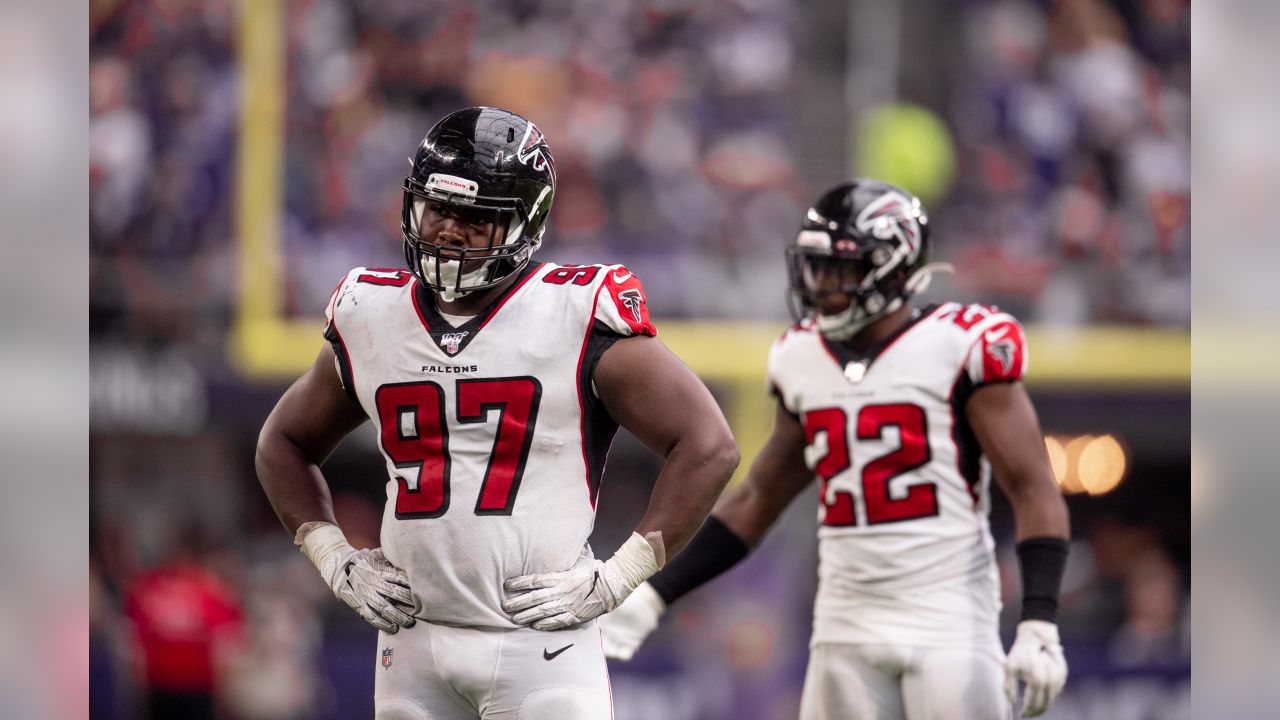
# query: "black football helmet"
[[871, 235], [489, 165]]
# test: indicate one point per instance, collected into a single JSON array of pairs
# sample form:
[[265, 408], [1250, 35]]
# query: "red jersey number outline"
[[415, 435], [912, 453]]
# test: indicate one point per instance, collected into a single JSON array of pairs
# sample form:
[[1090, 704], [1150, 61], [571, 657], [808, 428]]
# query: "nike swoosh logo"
[[994, 335], [552, 655], [618, 277]]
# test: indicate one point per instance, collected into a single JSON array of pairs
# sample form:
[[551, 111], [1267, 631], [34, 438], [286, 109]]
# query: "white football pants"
[[887, 682], [436, 672]]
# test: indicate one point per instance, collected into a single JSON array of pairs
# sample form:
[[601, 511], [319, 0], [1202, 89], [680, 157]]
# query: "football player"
[[902, 414], [495, 384]]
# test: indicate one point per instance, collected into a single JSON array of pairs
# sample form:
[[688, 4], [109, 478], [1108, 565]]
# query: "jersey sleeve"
[[333, 313], [623, 306], [998, 353]]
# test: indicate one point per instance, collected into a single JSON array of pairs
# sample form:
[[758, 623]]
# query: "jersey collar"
[[453, 340], [844, 356]]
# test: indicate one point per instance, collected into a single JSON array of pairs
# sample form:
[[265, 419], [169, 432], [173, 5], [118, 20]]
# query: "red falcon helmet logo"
[[892, 216], [535, 152]]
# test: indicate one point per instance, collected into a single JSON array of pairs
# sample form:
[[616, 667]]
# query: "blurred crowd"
[[675, 136], [675, 131], [1073, 126]]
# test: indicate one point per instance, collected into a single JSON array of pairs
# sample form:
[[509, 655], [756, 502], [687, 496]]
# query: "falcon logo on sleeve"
[[1003, 352], [623, 305], [634, 301]]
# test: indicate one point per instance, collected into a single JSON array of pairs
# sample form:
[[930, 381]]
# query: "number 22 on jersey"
[[415, 435], [921, 499]]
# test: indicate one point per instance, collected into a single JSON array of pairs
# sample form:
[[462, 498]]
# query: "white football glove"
[[560, 600], [624, 630], [363, 579], [1035, 659]]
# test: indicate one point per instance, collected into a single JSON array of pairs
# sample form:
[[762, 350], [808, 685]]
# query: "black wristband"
[[712, 551], [1041, 560]]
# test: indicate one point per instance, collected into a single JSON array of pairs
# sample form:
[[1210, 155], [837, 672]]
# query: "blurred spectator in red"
[[185, 620]]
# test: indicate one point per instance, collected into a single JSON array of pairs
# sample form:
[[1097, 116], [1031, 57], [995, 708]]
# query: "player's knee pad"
[[392, 709], [562, 703]]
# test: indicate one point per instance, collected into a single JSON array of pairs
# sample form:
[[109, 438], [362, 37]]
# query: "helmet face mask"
[[490, 172], [484, 224], [859, 256]]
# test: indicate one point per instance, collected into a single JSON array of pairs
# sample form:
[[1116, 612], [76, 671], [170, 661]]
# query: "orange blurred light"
[[1102, 464], [1071, 480], [1057, 458]]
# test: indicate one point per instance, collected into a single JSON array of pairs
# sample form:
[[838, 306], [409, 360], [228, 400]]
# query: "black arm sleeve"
[[1041, 560], [712, 551]]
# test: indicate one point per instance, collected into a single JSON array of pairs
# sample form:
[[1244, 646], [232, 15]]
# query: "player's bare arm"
[[777, 475], [1005, 423], [647, 390], [308, 422], [651, 393], [736, 525]]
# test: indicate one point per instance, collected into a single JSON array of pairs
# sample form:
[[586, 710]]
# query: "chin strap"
[[920, 279], [847, 323]]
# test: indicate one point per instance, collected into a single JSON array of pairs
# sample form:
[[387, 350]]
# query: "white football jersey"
[[493, 438], [905, 548]]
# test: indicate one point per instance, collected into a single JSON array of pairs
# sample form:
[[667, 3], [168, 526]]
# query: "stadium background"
[[244, 156]]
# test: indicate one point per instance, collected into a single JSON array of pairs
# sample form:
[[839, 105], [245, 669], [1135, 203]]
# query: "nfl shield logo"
[[386, 658], [450, 341]]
